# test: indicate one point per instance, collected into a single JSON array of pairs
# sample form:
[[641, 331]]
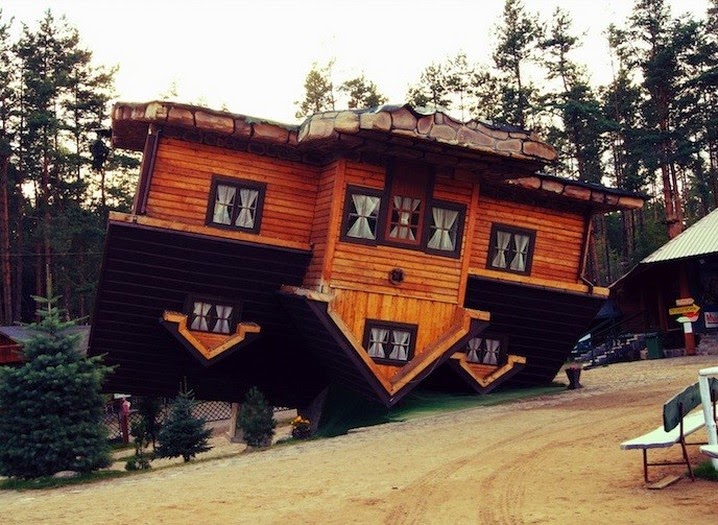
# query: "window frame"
[[391, 326], [404, 179], [512, 230], [460, 221], [237, 184], [502, 354], [214, 301], [361, 190]]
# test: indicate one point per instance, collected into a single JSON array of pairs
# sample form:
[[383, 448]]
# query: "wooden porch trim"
[[547, 284], [243, 330], [486, 382]]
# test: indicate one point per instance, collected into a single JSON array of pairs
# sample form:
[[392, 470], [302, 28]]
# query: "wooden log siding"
[[557, 251], [325, 230], [362, 267], [182, 178], [356, 306]]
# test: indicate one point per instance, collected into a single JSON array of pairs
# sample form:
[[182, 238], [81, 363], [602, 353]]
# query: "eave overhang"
[[476, 377], [599, 198], [207, 351]]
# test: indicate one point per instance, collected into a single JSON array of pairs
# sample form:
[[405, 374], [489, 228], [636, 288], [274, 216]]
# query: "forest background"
[[652, 129]]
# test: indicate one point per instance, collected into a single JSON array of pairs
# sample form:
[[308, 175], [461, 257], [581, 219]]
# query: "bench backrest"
[[678, 406]]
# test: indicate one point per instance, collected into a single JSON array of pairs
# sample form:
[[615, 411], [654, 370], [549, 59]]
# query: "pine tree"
[[516, 37], [362, 93], [183, 434], [318, 91], [256, 419], [51, 408]]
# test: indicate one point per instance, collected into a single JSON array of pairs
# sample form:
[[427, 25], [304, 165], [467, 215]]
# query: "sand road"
[[549, 460]]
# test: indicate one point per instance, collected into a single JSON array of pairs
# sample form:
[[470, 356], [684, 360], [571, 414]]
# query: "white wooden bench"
[[710, 450], [678, 422]]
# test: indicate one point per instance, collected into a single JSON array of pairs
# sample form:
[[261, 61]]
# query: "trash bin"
[[654, 346]]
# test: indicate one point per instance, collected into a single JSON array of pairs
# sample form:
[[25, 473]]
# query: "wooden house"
[[372, 249], [12, 339], [10, 346], [674, 290]]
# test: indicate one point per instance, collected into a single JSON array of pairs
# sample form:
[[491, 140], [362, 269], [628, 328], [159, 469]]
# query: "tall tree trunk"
[[6, 309]]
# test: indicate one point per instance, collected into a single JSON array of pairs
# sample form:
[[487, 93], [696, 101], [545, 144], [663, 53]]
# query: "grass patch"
[[705, 470], [345, 410], [48, 482]]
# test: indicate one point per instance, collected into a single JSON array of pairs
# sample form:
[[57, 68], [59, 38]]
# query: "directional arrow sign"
[[690, 318], [679, 310]]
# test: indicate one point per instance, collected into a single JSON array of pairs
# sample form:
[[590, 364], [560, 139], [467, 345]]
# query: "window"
[[217, 317], [511, 249], [485, 350], [409, 186], [403, 215], [404, 222], [445, 227], [362, 217], [236, 204], [390, 343]]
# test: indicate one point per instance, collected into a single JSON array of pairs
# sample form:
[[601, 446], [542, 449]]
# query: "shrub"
[[51, 406], [183, 434], [256, 419], [141, 459]]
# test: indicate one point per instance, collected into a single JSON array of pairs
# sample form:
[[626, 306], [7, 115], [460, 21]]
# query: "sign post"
[[687, 312]]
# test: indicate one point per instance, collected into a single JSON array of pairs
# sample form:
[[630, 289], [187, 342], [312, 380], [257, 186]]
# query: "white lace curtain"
[[474, 346], [405, 207], [444, 223], [247, 207], [224, 201], [521, 246], [399, 345], [502, 247], [491, 356], [377, 339], [366, 206], [223, 315], [199, 320]]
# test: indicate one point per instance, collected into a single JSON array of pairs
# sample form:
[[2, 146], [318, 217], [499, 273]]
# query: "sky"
[[252, 56]]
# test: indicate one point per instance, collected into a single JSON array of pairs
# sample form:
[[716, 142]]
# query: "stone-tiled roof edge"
[[428, 125], [204, 119], [405, 121], [595, 194]]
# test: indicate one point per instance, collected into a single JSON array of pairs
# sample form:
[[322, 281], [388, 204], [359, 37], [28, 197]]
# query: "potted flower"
[[301, 428]]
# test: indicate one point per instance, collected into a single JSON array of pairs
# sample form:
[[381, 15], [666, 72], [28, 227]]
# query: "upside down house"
[[372, 249]]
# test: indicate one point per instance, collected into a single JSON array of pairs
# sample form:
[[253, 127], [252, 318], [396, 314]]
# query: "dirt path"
[[546, 461]]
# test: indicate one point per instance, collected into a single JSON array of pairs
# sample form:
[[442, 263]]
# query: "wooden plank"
[[173, 225], [663, 483], [335, 177], [523, 279], [468, 241]]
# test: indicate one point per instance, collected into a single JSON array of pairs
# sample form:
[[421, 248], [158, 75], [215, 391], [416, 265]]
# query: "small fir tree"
[[51, 408], [141, 460], [150, 410], [256, 419], [183, 434]]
